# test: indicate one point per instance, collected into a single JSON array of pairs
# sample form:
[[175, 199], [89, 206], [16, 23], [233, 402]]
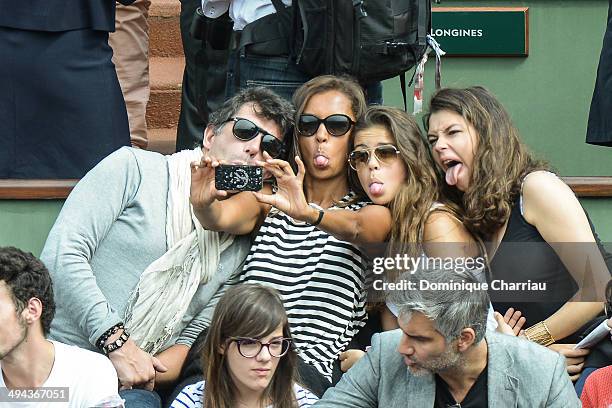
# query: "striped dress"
[[321, 281], [192, 395]]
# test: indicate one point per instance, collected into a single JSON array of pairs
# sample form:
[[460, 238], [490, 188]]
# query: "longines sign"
[[482, 31]]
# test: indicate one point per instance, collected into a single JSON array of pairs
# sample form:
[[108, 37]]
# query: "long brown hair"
[[501, 160], [246, 310], [413, 201]]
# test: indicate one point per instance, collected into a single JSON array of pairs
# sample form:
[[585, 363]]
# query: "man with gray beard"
[[442, 356]]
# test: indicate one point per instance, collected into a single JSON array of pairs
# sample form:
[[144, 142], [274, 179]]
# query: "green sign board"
[[482, 31]]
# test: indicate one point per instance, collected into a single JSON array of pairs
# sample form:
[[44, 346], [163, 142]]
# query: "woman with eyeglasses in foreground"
[[533, 224], [248, 360]]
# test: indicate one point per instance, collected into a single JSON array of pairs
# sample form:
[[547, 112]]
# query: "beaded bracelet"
[[105, 336], [117, 344]]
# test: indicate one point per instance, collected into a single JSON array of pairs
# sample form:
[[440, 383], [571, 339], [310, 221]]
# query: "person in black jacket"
[[61, 107], [599, 129]]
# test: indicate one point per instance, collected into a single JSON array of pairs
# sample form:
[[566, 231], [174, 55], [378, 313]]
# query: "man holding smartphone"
[[136, 275]]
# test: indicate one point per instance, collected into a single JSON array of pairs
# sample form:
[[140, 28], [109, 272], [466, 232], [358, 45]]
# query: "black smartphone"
[[238, 178]]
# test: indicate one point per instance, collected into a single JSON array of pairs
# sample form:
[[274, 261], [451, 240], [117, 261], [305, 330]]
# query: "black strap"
[[403, 86], [299, 15], [423, 23], [278, 5]]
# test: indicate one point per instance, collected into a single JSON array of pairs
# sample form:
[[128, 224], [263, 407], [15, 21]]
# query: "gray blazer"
[[520, 374]]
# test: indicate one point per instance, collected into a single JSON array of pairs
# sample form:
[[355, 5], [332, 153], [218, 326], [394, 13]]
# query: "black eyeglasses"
[[361, 157], [249, 348], [246, 130], [336, 125]]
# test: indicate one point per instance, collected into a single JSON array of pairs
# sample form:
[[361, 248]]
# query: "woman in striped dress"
[[308, 250]]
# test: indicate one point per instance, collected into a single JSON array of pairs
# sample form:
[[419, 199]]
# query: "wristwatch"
[[117, 344], [320, 217]]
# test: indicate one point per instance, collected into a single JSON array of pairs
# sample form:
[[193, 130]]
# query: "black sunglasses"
[[249, 348], [336, 125], [246, 130], [361, 157]]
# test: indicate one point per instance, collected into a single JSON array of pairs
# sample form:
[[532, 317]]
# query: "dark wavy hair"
[[27, 277], [247, 310], [501, 160]]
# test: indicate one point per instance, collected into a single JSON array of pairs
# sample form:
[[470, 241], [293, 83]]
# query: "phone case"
[[239, 178]]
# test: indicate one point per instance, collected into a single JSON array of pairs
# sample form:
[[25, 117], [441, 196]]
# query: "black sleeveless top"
[[523, 256]]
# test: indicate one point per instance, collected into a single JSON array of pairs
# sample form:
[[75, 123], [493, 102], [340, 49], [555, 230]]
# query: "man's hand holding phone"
[[203, 190]]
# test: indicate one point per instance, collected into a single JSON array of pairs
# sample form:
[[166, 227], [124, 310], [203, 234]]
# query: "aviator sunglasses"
[[336, 125], [249, 348], [246, 130], [361, 157]]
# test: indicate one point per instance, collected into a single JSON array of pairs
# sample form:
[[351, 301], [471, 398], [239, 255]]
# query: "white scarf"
[[166, 287]]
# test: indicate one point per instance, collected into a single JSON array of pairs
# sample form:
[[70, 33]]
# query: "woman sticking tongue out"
[[452, 173], [325, 154]]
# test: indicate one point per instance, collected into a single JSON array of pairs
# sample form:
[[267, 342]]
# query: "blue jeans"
[[582, 379], [278, 74], [139, 398]]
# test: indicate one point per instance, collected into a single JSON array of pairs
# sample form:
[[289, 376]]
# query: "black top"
[[59, 15], [523, 255], [475, 398]]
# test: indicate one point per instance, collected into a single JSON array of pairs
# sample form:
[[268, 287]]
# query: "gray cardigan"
[[111, 227], [520, 374]]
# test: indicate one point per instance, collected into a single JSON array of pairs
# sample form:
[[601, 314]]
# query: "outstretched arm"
[[370, 224], [237, 215]]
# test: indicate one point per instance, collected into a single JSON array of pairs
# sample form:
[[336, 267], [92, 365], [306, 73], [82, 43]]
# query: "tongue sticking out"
[[321, 161], [452, 173], [376, 188]]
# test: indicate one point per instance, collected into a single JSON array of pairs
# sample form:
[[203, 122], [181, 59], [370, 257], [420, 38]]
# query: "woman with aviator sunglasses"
[[248, 360], [394, 168]]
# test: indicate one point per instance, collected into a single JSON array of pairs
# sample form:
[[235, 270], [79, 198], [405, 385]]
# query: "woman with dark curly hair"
[[527, 216]]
